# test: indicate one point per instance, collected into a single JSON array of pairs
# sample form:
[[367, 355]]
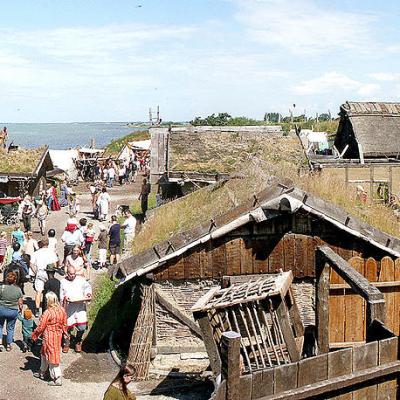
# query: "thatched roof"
[[374, 128], [22, 161]]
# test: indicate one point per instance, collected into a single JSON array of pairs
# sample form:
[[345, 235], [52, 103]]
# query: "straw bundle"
[[141, 343]]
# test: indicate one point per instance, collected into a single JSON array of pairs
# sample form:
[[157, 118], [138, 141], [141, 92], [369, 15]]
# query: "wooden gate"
[[347, 311]]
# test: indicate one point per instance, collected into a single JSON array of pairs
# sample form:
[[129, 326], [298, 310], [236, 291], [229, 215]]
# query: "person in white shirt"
[[51, 234], [74, 292], [111, 176], [129, 227], [39, 262], [105, 174], [71, 237], [30, 245], [26, 211], [103, 202], [121, 173], [78, 261]]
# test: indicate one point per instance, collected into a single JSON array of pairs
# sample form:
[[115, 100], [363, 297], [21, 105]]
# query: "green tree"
[[271, 117], [324, 117]]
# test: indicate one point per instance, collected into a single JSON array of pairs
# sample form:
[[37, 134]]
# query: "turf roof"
[[22, 161], [226, 152]]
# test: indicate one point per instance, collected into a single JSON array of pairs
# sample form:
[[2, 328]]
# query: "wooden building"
[[278, 229], [24, 171], [368, 142], [369, 129], [196, 156], [367, 371]]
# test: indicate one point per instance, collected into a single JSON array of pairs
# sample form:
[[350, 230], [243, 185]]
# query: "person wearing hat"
[[51, 285], [71, 237]]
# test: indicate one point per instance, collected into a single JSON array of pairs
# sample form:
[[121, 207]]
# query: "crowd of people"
[[56, 318], [111, 171]]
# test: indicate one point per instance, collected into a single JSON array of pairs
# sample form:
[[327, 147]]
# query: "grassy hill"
[[116, 145]]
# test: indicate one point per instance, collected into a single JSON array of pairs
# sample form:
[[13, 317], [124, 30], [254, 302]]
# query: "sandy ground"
[[85, 376]]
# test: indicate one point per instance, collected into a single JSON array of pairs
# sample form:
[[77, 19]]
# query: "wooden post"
[[209, 341], [390, 181], [375, 311], [322, 303], [346, 174], [230, 353], [371, 180], [284, 321]]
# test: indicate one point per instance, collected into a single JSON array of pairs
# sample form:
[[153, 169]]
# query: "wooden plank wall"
[[347, 310], [247, 255], [331, 370], [287, 242]]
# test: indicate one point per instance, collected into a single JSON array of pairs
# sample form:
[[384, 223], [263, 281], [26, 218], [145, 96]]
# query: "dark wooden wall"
[[286, 242]]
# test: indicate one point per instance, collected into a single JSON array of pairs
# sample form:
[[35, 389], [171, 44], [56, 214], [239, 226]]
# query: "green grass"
[[112, 309], [103, 291], [137, 209], [116, 145]]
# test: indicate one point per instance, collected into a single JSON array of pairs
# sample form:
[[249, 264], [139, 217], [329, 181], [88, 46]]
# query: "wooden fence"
[[367, 371], [347, 310]]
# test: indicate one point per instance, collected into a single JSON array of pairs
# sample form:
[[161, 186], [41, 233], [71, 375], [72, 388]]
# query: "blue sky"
[[63, 61]]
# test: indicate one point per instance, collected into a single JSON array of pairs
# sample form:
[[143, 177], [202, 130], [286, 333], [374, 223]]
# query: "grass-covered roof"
[[21, 161], [226, 152], [259, 159]]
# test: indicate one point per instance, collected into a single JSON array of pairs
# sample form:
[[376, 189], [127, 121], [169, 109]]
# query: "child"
[[18, 235], [28, 326], [102, 246], [89, 239], [74, 204], [51, 234], [3, 247]]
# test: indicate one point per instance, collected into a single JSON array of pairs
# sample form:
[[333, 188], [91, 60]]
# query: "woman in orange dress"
[[52, 326]]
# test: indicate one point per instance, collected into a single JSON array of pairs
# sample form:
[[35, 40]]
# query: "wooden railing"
[[363, 372]]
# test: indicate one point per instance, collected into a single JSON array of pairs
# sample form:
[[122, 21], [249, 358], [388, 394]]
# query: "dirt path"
[[85, 375]]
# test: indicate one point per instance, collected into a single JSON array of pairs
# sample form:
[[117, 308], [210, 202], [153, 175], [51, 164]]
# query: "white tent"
[[65, 160], [312, 139], [138, 145]]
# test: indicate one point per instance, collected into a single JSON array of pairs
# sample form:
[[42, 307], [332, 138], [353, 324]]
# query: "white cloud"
[[334, 82], [302, 26], [386, 76], [325, 83], [368, 89]]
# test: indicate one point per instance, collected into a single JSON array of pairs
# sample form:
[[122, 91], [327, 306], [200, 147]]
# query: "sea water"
[[65, 135]]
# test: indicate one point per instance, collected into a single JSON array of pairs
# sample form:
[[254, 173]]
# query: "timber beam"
[[177, 312], [326, 258]]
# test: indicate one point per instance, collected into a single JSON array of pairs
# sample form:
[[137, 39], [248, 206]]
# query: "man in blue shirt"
[[115, 240]]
